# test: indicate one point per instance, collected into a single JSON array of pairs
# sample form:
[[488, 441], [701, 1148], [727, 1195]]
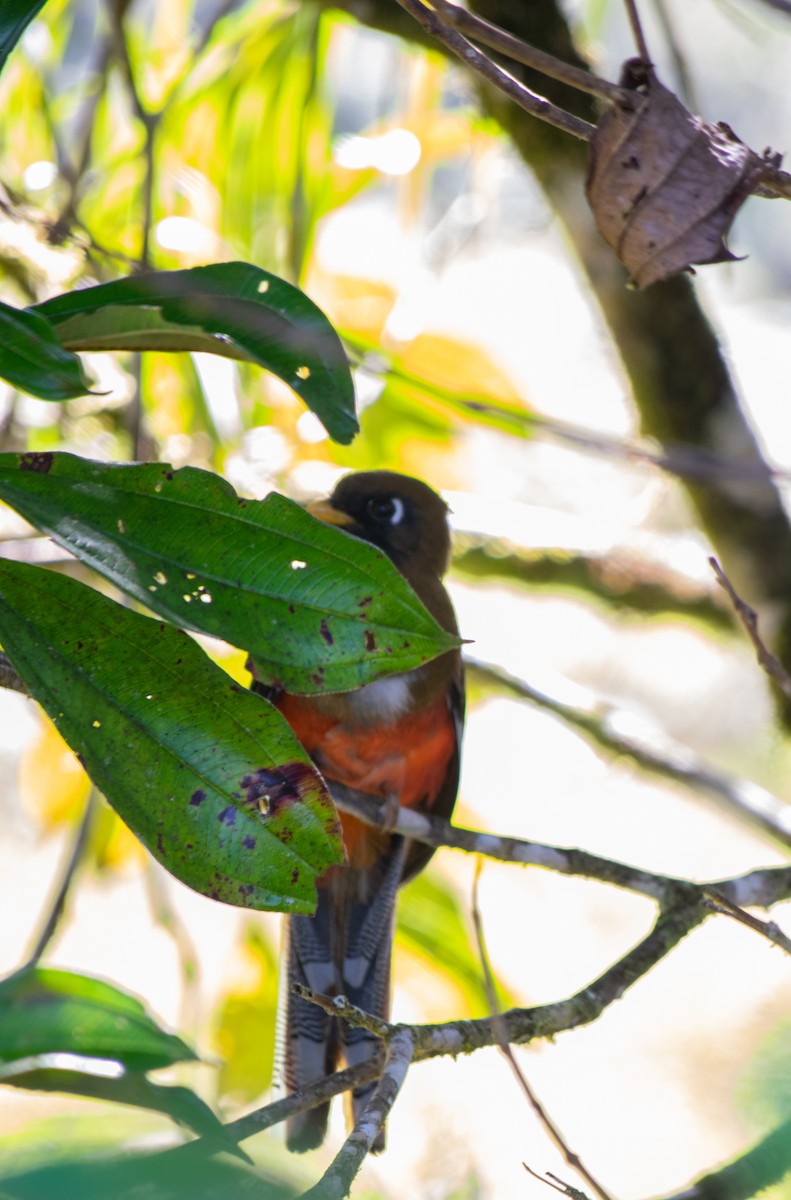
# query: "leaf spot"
[[370, 641], [269, 788], [249, 842], [303, 372], [324, 630], [206, 597], [96, 724], [41, 463], [197, 798], [121, 526], [227, 816], [186, 598], [263, 287], [161, 577]]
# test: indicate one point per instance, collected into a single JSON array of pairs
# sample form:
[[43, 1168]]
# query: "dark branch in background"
[[75, 856], [609, 727], [749, 620]]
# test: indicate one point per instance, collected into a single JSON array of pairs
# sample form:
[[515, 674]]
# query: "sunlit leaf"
[[232, 309], [208, 775], [32, 359], [317, 609]]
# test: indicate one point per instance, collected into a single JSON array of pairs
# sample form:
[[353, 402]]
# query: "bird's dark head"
[[401, 515]]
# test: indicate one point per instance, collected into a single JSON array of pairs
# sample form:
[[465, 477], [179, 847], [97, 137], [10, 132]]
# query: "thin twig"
[[340, 1006], [469, 54], [555, 1136], [768, 929], [556, 1184], [473, 26], [58, 903], [637, 30], [749, 620]]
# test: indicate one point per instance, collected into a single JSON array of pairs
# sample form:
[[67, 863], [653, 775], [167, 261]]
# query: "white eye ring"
[[398, 511]]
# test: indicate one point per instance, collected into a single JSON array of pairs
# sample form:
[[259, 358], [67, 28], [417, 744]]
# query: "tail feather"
[[344, 948]]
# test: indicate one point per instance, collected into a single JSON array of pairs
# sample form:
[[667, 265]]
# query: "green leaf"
[[185, 756], [32, 359], [232, 309], [319, 611], [179, 1103], [90, 1174], [15, 16], [47, 1011]]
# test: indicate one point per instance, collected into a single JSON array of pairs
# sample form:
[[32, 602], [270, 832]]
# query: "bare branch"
[[637, 30], [536, 105], [473, 26]]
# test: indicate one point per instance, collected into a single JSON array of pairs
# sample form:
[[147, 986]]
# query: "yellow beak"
[[326, 512]]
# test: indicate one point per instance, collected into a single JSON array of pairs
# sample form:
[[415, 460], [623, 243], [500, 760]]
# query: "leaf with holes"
[[208, 775], [319, 611]]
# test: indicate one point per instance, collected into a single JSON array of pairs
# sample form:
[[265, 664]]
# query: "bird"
[[397, 738]]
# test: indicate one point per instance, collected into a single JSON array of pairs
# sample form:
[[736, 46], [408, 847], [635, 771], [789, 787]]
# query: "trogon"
[[397, 739]]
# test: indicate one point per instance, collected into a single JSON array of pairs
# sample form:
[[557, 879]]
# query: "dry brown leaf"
[[664, 185]]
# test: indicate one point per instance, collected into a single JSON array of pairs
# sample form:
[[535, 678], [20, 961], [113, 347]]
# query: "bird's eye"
[[386, 510]]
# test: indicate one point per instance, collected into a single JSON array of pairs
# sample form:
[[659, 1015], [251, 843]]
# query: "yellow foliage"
[[53, 786], [244, 1028]]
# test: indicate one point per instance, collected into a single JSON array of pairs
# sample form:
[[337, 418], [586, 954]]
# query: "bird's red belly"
[[406, 759]]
